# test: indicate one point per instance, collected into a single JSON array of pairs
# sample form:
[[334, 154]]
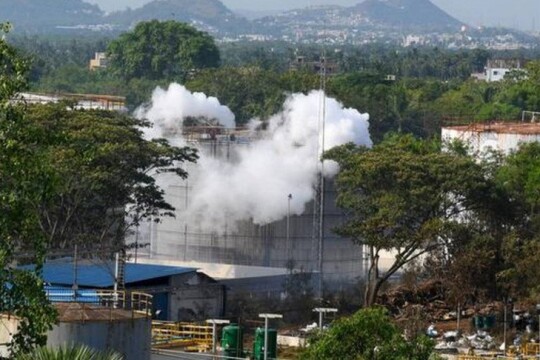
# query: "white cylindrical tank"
[[502, 136], [103, 329], [184, 240]]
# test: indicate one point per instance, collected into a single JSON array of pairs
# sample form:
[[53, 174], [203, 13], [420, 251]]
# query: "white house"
[[497, 69]]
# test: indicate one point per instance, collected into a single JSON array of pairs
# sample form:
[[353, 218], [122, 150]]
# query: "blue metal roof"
[[101, 275]]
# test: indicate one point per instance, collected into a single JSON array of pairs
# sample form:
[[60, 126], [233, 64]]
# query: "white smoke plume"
[[283, 159], [168, 109]]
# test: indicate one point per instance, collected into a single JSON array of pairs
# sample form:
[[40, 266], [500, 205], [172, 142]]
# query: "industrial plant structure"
[[80, 101], [499, 136], [178, 293], [108, 325], [244, 252], [100, 319]]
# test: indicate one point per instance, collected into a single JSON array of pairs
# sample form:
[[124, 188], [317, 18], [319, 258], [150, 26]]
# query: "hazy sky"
[[523, 14]]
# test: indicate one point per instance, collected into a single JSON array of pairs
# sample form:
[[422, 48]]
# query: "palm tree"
[[69, 353]]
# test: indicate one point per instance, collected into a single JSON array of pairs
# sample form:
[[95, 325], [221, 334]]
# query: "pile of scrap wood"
[[430, 300], [428, 296]]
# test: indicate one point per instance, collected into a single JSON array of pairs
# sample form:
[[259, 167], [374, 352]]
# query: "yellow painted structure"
[[189, 336]]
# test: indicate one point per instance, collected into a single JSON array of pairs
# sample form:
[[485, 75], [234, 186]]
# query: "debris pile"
[[481, 340], [428, 297], [430, 300], [426, 307]]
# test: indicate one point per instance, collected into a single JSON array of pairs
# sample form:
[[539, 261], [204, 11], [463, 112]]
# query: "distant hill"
[[418, 22], [210, 15], [418, 15], [52, 16], [255, 14], [46, 15], [406, 14]]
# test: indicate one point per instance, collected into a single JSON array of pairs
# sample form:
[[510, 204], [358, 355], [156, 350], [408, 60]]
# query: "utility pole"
[[136, 243], [538, 313], [116, 265], [322, 125], [504, 329], [289, 198], [75, 286], [458, 315]]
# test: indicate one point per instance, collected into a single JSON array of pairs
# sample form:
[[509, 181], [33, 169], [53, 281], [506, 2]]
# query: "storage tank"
[[184, 242], [103, 328], [258, 344], [500, 136], [232, 341]]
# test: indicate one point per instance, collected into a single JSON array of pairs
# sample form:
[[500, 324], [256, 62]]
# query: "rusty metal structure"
[[500, 136], [82, 101]]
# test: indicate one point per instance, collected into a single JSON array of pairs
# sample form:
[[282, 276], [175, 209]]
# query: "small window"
[[495, 73]]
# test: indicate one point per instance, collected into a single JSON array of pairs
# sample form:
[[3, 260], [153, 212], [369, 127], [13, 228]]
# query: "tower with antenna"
[[318, 206]]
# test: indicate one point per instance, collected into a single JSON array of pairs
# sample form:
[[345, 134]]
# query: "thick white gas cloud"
[[282, 159], [168, 109]]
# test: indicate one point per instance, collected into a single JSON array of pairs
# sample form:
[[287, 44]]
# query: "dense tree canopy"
[[367, 335], [404, 195], [103, 167], [432, 85], [25, 179], [162, 50], [519, 178], [67, 177], [252, 92]]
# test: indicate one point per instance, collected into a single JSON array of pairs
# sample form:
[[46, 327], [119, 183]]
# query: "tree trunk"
[[374, 292], [372, 284]]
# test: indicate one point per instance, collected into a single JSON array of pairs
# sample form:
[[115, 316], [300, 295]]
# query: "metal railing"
[[531, 349], [141, 303], [136, 302], [82, 101], [189, 336]]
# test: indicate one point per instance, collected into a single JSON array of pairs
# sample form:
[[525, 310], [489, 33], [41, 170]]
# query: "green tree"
[[80, 79], [466, 101], [404, 196], [367, 335], [369, 92], [519, 178], [248, 91], [103, 167], [25, 179], [524, 92], [162, 50]]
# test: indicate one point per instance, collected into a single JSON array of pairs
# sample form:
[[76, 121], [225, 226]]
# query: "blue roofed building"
[[179, 293]]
